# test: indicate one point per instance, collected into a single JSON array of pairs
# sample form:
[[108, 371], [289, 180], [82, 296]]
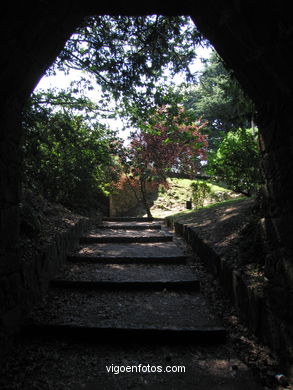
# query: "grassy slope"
[[188, 216], [173, 200]]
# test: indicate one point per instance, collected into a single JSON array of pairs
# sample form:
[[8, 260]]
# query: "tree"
[[219, 99], [167, 145], [66, 157], [129, 56], [236, 161]]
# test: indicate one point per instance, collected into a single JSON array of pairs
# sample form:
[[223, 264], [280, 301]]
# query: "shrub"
[[67, 159], [236, 162], [200, 191]]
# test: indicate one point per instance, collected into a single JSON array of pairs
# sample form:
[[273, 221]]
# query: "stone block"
[[10, 320], [7, 294], [240, 296], [226, 276], [16, 286], [9, 226]]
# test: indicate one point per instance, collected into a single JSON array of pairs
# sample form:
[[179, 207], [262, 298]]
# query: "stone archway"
[[256, 45]]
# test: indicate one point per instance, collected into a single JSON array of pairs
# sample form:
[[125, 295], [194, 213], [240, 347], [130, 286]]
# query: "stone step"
[[130, 225], [159, 252], [109, 315], [130, 219], [128, 273], [127, 259], [125, 236], [146, 335], [174, 285]]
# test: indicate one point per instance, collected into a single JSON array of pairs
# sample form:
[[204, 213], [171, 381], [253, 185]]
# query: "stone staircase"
[[128, 281], [126, 299]]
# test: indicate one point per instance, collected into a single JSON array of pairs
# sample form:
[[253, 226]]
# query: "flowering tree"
[[165, 144]]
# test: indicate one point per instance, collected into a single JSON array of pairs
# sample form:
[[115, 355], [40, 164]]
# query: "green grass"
[[181, 188], [173, 199]]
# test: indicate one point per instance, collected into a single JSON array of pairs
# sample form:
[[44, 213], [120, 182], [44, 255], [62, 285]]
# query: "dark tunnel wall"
[[255, 42]]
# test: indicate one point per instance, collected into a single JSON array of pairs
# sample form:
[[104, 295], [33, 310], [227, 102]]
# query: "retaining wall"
[[127, 198], [22, 287]]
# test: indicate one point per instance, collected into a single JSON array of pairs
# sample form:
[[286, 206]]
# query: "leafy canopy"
[[219, 99], [129, 56]]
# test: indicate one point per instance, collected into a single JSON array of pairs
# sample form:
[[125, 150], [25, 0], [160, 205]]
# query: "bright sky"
[[63, 81]]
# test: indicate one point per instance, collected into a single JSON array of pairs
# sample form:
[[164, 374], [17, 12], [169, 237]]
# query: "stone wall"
[[33, 33], [124, 199], [21, 287]]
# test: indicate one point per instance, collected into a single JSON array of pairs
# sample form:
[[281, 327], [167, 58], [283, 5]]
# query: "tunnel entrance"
[[255, 45]]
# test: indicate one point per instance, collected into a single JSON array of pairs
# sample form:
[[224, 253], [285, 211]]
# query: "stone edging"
[[24, 287], [254, 306]]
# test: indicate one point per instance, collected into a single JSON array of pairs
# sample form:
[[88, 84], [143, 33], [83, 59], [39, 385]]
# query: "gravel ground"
[[124, 309], [51, 364]]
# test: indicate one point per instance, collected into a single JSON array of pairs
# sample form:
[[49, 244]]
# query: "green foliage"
[[129, 55], [200, 191], [67, 158], [219, 99], [236, 162]]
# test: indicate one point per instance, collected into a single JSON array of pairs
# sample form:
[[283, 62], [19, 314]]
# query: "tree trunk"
[[144, 198], [252, 124]]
